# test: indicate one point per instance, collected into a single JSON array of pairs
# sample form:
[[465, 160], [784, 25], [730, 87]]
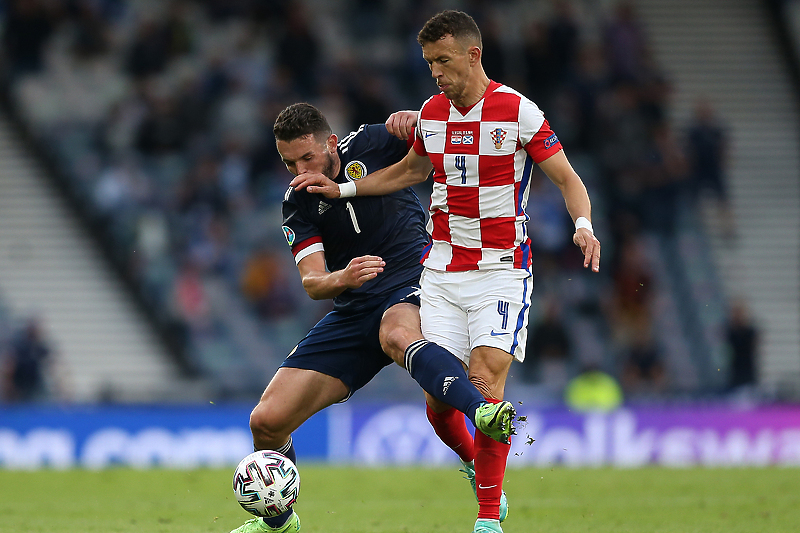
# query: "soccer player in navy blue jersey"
[[364, 253]]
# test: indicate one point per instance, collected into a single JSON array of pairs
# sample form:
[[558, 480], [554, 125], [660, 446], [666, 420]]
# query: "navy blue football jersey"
[[390, 226]]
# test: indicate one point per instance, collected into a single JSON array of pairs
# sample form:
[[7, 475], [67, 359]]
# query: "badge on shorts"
[[355, 170], [289, 234]]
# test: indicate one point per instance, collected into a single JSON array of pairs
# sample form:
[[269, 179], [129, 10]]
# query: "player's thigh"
[[292, 397], [488, 370], [443, 321], [400, 326], [497, 303]]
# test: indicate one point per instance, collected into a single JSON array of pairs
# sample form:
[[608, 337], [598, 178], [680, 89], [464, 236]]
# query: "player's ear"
[[331, 143], [475, 55]]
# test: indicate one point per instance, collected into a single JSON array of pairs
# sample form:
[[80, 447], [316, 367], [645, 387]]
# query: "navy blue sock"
[[441, 375], [277, 521], [288, 450]]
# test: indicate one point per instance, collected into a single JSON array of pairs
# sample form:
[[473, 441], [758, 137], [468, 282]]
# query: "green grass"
[[346, 500]]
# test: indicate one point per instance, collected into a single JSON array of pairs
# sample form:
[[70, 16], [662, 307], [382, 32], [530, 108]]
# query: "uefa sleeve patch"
[[550, 142], [355, 170], [289, 234]]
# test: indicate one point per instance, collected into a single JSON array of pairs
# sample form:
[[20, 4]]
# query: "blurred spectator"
[[589, 80], [626, 43], [742, 341], [593, 391], [190, 303], [118, 133], [121, 184], [631, 302], [493, 55], [368, 100], [163, 129], [548, 353], [237, 113], [177, 32], [266, 286], [26, 359], [562, 34], [234, 173], [643, 372], [27, 27], [201, 193], [91, 37], [706, 149], [298, 51], [149, 52], [666, 173]]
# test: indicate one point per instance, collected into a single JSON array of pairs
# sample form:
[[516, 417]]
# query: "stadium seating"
[[160, 126]]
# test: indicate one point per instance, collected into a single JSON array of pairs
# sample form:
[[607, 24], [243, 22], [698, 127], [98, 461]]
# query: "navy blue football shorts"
[[347, 345]]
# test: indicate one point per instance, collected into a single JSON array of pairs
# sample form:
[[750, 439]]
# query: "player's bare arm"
[[402, 124], [412, 169], [560, 172], [322, 285]]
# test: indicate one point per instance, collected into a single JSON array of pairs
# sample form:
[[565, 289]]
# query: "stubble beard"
[[327, 170]]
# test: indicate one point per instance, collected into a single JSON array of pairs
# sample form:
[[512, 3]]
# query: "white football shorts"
[[463, 310]]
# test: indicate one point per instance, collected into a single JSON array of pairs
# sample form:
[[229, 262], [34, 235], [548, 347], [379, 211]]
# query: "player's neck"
[[474, 91]]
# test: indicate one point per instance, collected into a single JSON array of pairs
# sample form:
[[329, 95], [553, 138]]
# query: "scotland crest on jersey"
[[355, 170]]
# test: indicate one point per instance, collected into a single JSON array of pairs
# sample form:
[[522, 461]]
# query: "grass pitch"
[[352, 500]]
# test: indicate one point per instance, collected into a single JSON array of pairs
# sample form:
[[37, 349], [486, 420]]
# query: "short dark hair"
[[299, 120], [450, 22]]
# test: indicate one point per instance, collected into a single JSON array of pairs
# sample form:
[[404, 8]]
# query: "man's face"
[[307, 154], [449, 62]]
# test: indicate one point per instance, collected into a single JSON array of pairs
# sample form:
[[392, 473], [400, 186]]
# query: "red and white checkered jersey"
[[482, 161]]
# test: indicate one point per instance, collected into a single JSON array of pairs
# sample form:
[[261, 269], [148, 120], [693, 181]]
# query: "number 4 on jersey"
[[461, 164]]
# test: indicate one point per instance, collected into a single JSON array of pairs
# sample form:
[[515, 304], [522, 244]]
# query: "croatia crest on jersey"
[[498, 136], [355, 170], [289, 234]]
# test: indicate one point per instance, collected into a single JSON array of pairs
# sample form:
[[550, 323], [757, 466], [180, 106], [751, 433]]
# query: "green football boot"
[[487, 526], [256, 525], [496, 420], [469, 470]]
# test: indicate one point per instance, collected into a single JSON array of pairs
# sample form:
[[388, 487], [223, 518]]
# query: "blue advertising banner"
[[395, 434], [139, 436]]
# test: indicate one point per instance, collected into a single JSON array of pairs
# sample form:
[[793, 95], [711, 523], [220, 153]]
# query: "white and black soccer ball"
[[266, 483]]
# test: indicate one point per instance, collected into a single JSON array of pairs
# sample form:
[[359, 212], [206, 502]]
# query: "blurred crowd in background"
[[157, 116]]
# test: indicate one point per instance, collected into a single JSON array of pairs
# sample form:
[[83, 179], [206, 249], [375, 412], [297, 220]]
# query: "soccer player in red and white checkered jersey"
[[481, 139]]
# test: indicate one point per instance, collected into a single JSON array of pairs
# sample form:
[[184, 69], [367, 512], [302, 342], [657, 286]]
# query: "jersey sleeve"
[[419, 145], [535, 134], [383, 142], [303, 236]]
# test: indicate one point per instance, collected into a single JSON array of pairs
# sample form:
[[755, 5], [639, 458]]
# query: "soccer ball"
[[266, 483]]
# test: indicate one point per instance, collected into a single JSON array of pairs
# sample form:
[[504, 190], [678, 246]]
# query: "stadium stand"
[[157, 117], [52, 274]]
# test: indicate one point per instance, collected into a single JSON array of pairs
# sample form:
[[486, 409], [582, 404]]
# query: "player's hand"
[[362, 269], [316, 183], [590, 247], [401, 124]]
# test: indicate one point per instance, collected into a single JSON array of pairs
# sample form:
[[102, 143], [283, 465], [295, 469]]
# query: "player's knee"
[[267, 427], [395, 340]]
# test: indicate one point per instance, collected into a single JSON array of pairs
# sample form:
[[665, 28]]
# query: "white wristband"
[[347, 189], [582, 222]]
